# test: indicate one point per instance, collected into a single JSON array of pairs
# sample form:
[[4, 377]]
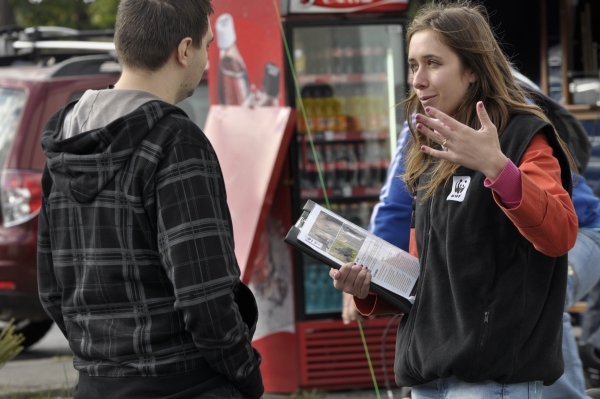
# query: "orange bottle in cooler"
[[373, 121], [301, 122], [319, 114], [383, 113], [329, 113], [357, 115], [340, 115], [309, 108]]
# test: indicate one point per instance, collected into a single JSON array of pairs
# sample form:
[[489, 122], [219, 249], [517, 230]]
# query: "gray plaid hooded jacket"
[[136, 258]]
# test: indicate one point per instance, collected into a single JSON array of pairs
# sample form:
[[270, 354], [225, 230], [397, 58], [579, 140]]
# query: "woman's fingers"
[[441, 122], [432, 134], [351, 279], [484, 118]]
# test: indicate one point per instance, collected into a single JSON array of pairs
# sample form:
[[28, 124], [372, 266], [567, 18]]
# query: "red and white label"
[[346, 6]]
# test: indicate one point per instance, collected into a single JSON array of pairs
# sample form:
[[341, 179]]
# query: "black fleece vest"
[[489, 305]]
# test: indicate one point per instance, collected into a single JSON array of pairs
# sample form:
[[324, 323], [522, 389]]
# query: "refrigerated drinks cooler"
[[350, 66]]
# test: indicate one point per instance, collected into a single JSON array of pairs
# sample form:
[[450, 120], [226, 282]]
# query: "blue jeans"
[[584, 276], [452, 388]]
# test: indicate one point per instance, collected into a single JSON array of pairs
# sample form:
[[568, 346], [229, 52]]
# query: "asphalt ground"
[[46, 371]]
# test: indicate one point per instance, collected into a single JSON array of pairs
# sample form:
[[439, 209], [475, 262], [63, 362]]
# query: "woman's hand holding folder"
[[353, 279]]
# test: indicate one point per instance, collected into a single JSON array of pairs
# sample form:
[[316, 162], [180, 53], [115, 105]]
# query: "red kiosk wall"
[[246, 68]]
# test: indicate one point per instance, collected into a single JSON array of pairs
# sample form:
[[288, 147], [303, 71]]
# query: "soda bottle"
[[354, 214], [373, 117], [374, 163], [319, 114], [321, 160], [311, 118], [343, 211], [270, 93], [363, 165], [301, 122], [348, 58], [352, 174], [382, 112], [379, 64], [364, 214], [234, 84], [299, 57], [339, 114], [329, 113], [338, 58], [354, 120], [341, 165], [310, 168], [329, 166]]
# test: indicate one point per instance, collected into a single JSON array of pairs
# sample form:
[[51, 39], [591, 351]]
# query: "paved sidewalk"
[[53, 377]]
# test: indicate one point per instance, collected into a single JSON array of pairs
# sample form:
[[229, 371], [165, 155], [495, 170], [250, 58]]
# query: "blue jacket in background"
[[391, 216]]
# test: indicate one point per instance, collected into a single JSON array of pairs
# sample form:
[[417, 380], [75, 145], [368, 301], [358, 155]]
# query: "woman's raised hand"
[[475, 149], [352, 279]]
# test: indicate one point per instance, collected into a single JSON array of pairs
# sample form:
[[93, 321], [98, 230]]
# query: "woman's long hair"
[[465, 29]]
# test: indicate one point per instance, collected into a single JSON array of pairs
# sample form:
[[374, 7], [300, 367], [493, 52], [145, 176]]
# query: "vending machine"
[[341, 65]]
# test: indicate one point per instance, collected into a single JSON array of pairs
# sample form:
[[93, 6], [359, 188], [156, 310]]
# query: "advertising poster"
[[346, 6], [246, 58]]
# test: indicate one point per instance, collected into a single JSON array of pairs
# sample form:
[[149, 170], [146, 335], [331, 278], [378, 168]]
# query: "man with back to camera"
[[136, 258]]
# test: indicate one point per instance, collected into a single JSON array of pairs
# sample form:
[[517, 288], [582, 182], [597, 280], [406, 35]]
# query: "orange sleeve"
[[546, 216]]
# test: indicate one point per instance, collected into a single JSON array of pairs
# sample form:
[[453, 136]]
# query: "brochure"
[[335, 241]]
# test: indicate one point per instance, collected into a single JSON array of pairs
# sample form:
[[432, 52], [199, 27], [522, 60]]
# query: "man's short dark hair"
[[148, 31]]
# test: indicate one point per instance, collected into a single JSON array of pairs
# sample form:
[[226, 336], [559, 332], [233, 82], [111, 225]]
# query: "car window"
[[197, 105], [11, 107]]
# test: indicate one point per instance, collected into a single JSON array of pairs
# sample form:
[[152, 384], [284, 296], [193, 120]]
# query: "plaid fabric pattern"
[[136, 258]]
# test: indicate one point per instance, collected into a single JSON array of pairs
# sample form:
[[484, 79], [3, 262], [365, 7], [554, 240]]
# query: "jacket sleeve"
[[195, 240], [545, 216], [391, 216], [49, 289]]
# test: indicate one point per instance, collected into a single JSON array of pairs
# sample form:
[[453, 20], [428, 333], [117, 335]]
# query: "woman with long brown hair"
[[493, 221]]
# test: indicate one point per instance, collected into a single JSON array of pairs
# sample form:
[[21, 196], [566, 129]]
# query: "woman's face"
[[437, 74]]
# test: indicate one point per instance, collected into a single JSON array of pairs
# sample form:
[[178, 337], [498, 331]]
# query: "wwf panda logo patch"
[[460, 185]]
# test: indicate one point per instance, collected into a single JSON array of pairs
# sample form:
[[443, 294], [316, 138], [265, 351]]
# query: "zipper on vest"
[[419, 284], [482, 342]]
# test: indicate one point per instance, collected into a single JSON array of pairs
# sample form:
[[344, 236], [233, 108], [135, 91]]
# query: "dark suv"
[[41, 79]]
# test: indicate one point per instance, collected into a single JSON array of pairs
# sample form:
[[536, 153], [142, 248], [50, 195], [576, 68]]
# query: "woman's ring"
[[444, 145]]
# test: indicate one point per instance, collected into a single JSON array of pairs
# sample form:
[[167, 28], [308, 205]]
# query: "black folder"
[[399, 301]]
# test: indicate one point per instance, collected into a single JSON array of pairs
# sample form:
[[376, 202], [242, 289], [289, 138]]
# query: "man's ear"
[[183, 53]]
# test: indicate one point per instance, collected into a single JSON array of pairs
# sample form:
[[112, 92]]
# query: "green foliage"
[[10, 344], [68, 13]]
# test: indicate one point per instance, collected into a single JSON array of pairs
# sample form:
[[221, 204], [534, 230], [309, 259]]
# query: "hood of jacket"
[[85, 152]]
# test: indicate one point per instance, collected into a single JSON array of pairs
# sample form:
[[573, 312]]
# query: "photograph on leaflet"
[[347, 244]]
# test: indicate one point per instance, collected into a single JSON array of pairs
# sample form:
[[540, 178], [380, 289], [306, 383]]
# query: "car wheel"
[[33, 331]]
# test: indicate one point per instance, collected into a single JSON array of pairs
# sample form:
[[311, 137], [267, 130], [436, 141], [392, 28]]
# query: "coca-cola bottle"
[[363, 165], [373, 154], [320, 158], [329, 166], [341, 165], [234, 84], [352, 174], [310, 169]]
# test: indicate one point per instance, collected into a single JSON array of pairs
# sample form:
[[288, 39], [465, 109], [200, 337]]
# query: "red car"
[[29, 95]]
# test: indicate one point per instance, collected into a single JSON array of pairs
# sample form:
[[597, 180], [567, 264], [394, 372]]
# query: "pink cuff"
[[508, 185]]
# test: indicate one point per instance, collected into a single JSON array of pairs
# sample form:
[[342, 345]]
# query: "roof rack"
[[40, 44], [86, 65]]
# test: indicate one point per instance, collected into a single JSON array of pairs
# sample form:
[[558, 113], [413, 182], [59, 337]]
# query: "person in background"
[[136, 260], [479, 326]]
